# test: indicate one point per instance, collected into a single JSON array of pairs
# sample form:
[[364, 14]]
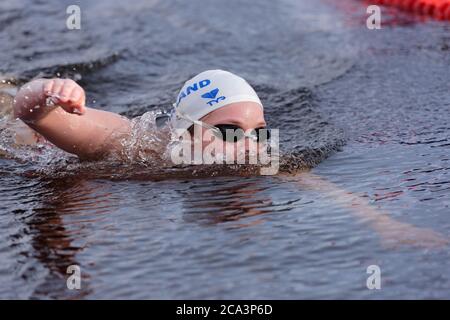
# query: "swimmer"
[[213, 102]]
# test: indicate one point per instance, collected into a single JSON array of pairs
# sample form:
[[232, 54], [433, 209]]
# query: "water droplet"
[[50, 102]]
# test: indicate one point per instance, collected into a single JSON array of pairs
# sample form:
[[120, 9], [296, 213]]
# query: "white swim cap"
[[209, 91]]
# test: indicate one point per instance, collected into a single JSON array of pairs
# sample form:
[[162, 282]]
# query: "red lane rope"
[[439, 9]]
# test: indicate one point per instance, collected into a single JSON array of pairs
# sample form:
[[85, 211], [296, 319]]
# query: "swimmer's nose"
[[250, 144]]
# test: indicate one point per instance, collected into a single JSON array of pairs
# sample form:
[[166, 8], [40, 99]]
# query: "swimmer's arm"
[[69, 125], [392, 232]]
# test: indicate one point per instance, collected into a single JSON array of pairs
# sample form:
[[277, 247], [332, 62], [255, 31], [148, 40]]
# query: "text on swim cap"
[[192, 88]]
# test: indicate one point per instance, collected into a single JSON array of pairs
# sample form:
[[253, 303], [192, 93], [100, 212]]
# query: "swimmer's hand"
[[395, 234], [65, 93], [39, 97]]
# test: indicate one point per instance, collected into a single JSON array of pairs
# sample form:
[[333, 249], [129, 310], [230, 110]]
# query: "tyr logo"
[[212, 95]]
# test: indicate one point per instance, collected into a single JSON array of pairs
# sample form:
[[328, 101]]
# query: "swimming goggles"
[[229, 132]]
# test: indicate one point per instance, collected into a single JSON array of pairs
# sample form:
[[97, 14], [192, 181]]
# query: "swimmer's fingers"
[[67, 94], [48, 85], [78, 98], [73, 100], [54, 87]]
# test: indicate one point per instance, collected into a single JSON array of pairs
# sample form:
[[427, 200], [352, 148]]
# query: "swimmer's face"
[[245, 115]]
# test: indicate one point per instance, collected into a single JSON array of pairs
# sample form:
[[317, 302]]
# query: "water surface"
[[324, 79]]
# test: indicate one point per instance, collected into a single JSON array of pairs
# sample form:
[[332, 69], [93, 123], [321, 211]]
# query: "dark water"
[[324, 79]]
